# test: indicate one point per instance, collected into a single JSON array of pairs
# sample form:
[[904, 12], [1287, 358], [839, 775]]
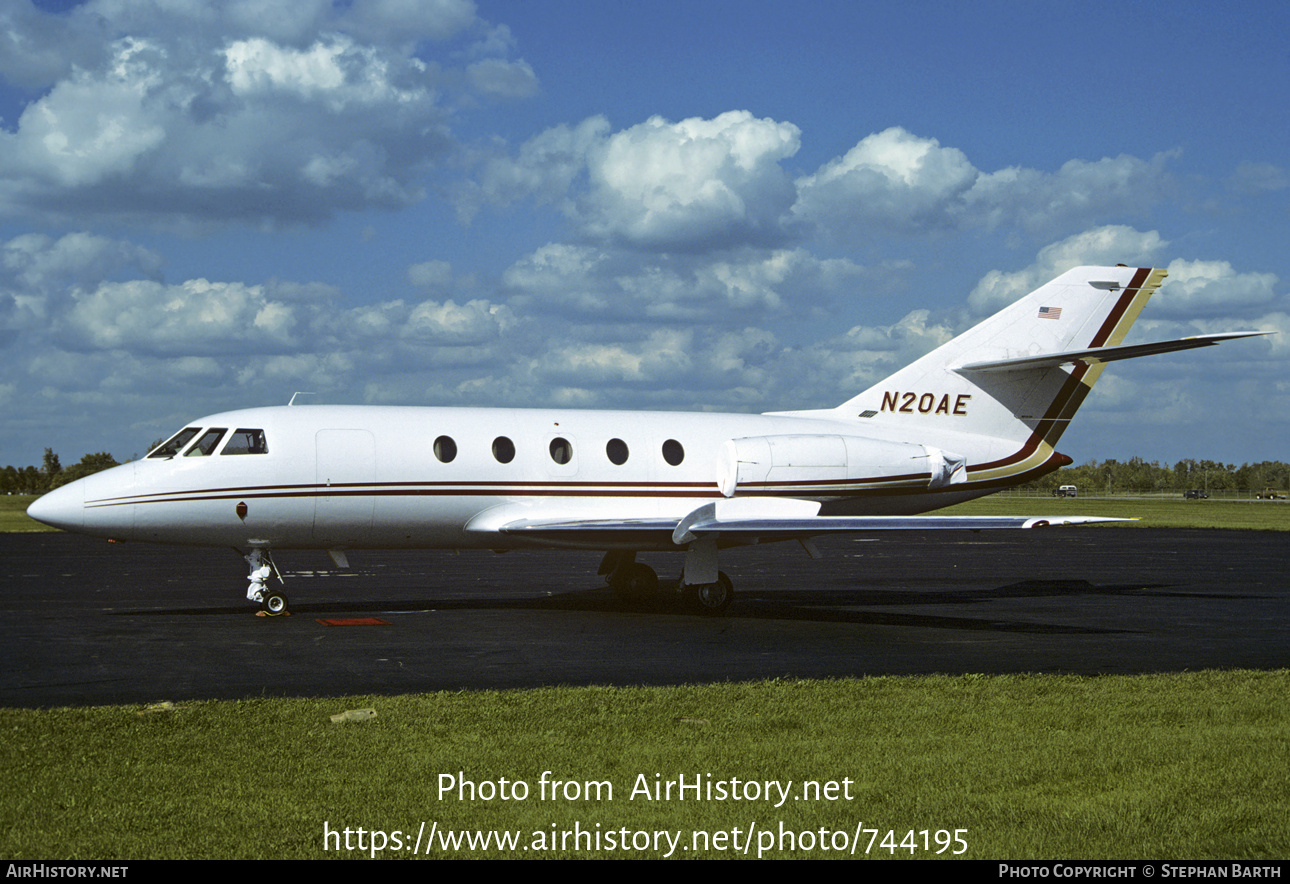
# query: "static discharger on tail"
[[980, 413]]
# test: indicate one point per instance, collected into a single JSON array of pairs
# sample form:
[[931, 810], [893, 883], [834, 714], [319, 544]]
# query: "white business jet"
[[981, 413]]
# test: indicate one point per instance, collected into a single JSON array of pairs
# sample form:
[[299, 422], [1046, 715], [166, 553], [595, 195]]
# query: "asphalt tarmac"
[[88, 623]]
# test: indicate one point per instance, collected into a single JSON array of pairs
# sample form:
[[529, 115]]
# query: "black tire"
[[711, 599], [275, 603], [638, 583]]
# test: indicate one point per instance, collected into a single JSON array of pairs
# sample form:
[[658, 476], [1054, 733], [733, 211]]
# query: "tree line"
[[51, 474], [1137, 474]]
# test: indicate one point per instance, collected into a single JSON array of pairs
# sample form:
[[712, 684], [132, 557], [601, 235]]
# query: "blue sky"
[[725, 206]]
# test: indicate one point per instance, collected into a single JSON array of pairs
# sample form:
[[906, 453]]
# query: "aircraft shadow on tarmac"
[[844, 605]]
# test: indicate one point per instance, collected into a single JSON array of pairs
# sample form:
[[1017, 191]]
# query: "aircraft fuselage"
[[983, 411], [355, 477]]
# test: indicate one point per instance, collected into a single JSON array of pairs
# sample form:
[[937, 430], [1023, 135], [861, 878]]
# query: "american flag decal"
[[1050, 312]]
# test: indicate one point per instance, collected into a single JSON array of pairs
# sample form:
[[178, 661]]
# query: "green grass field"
[[13, 514], [1190, 765]]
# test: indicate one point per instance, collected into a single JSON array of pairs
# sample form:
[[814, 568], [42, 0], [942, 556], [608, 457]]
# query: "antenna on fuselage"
[[299, 393]]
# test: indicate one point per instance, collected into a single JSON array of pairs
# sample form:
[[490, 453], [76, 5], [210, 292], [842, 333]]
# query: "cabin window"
[[207, 443], [673, 453], [561, 450], [175, 443], [244, 441], [616, 451], [503, 449], [445, 449]]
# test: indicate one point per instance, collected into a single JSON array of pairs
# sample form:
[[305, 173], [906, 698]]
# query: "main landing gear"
[[634, 581], [629, 579], [273, 602], [711, 599]]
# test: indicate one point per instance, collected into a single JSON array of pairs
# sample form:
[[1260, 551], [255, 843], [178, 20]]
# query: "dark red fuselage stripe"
[[1117, 314]]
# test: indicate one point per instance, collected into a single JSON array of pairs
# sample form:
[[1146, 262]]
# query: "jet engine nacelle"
[[820, 466]]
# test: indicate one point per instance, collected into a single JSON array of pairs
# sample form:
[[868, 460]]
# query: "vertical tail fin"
[[1007, 422]]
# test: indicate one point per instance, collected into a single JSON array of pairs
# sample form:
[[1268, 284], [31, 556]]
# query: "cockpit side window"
[[175, 443], [244, 441], [207, 443]]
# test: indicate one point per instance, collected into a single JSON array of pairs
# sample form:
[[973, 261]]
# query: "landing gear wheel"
[[274, 604], [638, 582], [711, 599]]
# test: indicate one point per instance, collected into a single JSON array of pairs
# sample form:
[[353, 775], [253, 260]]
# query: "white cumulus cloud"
[[1208, 288], [693, 185], [696, 183], [275, 113], [1104, 246], [895, 181]]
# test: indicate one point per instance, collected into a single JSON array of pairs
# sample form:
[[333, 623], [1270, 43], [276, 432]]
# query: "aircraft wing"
[[1107, 354], [750, 520], [703, 524]]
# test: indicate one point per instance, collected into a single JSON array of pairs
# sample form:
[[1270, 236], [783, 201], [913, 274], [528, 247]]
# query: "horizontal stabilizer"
[[1098, 355]]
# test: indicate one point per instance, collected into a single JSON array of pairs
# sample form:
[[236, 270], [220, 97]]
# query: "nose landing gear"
[[273, 602]]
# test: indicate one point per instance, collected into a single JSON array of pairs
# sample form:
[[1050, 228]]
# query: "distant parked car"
[[1066, 491], [1196, 494]]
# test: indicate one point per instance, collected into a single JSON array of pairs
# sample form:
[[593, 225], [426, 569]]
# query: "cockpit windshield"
[[244, 441], [206, 444], [175, 443], [241, 441]]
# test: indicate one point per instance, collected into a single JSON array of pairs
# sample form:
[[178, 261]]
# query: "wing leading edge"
[[750, 520]]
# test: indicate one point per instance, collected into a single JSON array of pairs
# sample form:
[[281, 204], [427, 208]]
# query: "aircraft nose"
[[61, 508]]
